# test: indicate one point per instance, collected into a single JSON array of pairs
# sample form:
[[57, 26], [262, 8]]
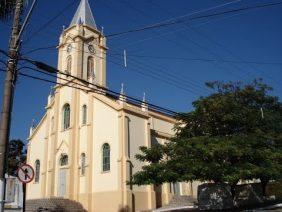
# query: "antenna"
[[124, 58]]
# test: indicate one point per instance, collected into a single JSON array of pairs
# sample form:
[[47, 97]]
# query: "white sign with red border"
[[25, 173]]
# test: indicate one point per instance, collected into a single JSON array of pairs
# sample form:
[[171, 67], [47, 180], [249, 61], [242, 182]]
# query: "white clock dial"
[[69, 48], [91, 49]]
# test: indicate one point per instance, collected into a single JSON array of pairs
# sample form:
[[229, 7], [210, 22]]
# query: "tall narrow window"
[[66, 116], [69, 64], [90, 68], [83, 163], [84, 114], [106, 157], [64, 160], [37, 171], [52, 124]]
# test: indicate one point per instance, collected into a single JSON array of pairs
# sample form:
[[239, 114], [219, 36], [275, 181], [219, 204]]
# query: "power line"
[[166, 24], [203, 59], [191, 82], [227, 50], [5, 64], [137, 67], [100, 87], [216, 55], [172, 80], [233, 64], [113, 93], [182, 16], [175, 80], [187, 25], [172, 32], [194, 42], [42, 79], [44, 26]]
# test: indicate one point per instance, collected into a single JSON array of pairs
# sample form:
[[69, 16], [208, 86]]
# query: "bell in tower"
[[82, 48]]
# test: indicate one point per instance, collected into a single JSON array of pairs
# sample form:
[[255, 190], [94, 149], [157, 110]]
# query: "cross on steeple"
[[83, 15]]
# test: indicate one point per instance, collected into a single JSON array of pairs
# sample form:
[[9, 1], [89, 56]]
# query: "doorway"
[[62, 182]]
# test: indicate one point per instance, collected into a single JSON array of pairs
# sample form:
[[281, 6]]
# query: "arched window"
[[106, 157], [69, 64], [90, 67], [37, 171], [64, 160], [83, 163], [66, 116], [84, 114]]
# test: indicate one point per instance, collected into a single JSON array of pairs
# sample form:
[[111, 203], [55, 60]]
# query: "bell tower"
[[82, 48]]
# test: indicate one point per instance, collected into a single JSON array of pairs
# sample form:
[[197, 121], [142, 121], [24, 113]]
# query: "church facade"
[[84, 147]]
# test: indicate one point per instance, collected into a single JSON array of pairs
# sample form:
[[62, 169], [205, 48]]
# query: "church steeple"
[[83, 15], [82, 48]]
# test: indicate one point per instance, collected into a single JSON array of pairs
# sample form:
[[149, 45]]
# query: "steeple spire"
[[83, 15]]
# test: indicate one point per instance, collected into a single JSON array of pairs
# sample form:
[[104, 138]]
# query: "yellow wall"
[[36, 152], [105, 130]]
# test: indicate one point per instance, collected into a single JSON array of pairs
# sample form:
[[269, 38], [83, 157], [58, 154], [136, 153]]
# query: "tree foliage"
[[233, 134], [16, 156]]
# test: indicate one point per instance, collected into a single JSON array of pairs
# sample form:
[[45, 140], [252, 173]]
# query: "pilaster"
[[73, 147], [54, 141], [89, 156]]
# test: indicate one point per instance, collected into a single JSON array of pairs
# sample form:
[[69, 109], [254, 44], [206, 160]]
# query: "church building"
[[84, 147]]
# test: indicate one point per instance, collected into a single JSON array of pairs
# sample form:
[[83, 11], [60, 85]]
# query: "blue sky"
[[172, 76]]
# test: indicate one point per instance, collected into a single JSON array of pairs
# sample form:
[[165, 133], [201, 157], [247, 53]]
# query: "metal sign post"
[[25, 174]]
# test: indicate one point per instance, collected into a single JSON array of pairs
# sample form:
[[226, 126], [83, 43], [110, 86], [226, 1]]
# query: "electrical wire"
[[191, 40], [203, 59], [205, 48], [53, 47], [4, 63], [186, 25], [217, 56], [170, 80], [44, 26], [132, 100], [204, 35], [166, 24], [177, 79], [155, 75], [45, 80], [108, 90]]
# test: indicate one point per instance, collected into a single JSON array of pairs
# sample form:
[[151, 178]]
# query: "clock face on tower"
[[91, 49], [69, 48]]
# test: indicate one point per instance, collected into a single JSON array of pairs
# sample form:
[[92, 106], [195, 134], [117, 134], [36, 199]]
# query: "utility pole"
[[9, 87]]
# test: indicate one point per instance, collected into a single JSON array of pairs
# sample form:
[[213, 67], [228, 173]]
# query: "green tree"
[[16, 156], [233, 134]]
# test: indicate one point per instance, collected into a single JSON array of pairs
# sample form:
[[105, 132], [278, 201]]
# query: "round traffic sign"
[[25, 173]]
